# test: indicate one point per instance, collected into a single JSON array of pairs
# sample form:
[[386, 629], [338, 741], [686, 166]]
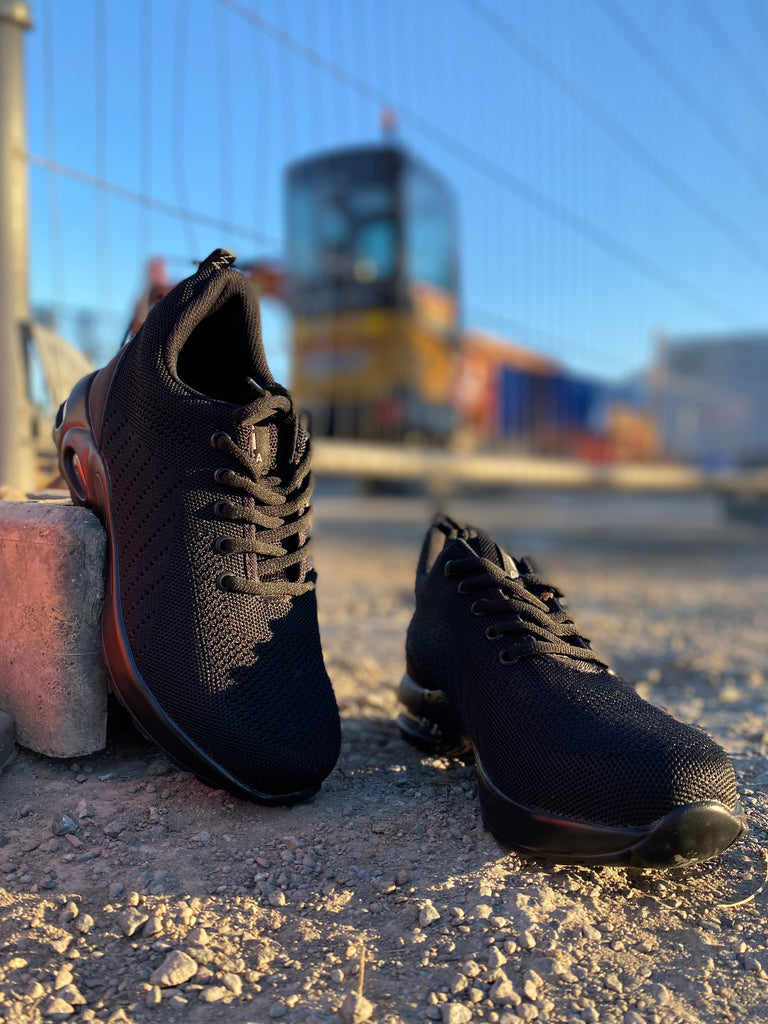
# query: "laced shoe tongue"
[[271, 448], [485, 547]]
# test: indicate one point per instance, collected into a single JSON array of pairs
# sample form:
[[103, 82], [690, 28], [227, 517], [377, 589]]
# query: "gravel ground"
[[132, 893]]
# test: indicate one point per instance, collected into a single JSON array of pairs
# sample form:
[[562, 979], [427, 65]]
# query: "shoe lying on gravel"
[[572, 764], [197, 465]]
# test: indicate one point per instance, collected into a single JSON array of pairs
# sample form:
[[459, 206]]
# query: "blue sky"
[[608, 157]]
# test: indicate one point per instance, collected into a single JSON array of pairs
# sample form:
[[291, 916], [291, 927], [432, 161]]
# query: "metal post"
[[16, 456]]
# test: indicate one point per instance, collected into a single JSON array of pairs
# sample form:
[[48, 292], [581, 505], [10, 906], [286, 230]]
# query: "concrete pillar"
[[16, 456]]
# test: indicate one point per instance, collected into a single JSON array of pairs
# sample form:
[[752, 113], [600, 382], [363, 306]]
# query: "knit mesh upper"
[[558, 735], [242, 674]]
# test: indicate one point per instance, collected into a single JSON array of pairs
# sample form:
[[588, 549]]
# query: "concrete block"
[[52, 677]]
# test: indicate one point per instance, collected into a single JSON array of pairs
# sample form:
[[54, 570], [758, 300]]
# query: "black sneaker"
[[195, 461], [572, 764]]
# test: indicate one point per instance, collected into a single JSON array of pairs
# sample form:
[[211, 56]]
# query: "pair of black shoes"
[[197, 464]]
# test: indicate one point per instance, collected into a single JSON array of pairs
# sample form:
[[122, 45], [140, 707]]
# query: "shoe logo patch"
[[258, 458]]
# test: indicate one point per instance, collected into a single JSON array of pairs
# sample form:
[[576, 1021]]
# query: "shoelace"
[[537, 621], [280, 510]]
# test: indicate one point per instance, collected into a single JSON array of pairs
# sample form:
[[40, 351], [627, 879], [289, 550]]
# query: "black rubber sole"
[[85, 473], [687, 835]]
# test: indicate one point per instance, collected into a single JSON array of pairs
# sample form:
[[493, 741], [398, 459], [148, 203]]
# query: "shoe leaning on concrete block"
[[572, 764], [195, 461]]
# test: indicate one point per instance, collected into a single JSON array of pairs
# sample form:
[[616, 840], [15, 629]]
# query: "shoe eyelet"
[[223, 510], [507, 661], [448, 569], [474, 609], [226, 581], [460, 588], [491, 634], [223, 545], [218, 436], [219, 475]]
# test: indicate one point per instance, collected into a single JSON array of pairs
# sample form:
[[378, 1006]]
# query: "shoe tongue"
[[485, 547], [273, 446]]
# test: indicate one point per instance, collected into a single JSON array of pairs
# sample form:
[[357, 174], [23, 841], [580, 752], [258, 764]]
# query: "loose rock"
[[154, 926], [69, 912], [131, 920], [496, 958], [177, 968], [214, 994], [428, 915], [72, 995], [63, 978], [153, 997], [64, 824], [455, 1013], [630, 1017], [55, 1008], [503, 991], [233, 983], [355, 1009]]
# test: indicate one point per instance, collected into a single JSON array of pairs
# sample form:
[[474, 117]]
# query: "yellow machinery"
[[372, 281]]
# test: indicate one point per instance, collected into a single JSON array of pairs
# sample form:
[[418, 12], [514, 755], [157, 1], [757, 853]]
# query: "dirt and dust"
[[130, 892]]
